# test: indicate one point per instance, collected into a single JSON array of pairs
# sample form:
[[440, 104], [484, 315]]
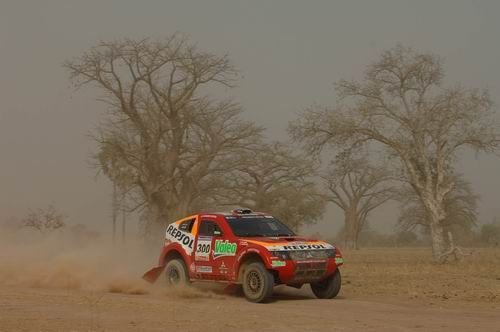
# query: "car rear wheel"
[[328, 288], [258, 283], [176, 273]]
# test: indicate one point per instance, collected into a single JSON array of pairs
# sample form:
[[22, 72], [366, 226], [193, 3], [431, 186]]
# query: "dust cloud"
[[63, 260]]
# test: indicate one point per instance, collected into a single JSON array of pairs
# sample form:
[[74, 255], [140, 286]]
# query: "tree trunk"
[[439, 246], [436, 216], [155, 225], [114, 210], [124, 222], [351, 230]]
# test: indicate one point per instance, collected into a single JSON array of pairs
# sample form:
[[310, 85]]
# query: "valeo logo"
[[224, 248]]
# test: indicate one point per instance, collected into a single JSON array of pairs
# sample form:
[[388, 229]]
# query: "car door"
[[209, 235], [214, 253]]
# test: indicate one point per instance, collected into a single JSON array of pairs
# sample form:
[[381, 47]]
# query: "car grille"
[[301, 255], [309, 270]]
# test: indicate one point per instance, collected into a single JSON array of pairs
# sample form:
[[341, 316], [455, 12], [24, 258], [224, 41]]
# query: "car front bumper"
[[306, 271]]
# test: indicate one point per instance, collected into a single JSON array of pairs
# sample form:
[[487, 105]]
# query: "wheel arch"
[[246, 259], [174, 252]]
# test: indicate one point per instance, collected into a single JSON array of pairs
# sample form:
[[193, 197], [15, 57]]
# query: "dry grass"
[[410, 272]]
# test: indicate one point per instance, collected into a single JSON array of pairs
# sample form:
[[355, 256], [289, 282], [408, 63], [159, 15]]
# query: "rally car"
[[254, 250]]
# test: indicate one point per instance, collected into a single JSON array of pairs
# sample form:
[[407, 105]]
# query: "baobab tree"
[[163, 137], [403, 106], [357, 187], [460, 205]]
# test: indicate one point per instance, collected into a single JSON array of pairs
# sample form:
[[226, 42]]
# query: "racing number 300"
[[203, 248]]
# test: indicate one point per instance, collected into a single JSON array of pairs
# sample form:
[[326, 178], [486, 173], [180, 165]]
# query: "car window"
[[187, 225], [209, 228], [254, 226]]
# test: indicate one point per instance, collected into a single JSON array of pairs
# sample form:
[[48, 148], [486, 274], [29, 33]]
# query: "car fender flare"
[[253, 254], [173, 249], [169, 250]]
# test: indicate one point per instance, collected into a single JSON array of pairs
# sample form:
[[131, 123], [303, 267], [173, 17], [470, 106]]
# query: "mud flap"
[[153, 274]]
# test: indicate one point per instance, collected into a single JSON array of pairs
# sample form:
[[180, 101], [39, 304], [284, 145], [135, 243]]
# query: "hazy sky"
[[289, 52]]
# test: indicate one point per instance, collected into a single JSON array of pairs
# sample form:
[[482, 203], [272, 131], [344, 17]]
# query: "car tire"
[[327, 288], [176, 273], [258, 283]]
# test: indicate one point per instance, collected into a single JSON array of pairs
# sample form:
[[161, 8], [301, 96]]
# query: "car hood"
[[288, 243], [271, 240]]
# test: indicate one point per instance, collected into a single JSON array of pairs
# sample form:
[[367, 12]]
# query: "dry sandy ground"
[[62, 284], [410, 272], [39, 309]]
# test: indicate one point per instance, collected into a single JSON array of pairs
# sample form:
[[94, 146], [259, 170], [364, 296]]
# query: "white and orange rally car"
[[253, 250]]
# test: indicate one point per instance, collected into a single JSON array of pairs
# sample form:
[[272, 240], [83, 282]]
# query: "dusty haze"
[[289, 54]]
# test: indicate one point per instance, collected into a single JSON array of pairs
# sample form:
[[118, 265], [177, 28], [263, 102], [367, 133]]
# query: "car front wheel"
[[258, 283], [328, 288]]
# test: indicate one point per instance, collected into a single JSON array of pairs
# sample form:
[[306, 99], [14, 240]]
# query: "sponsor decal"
[[184, 239], [339, 260], [203, 269], [224, 248], [278, 263], [203, 248], [300, 246], [223, 268]]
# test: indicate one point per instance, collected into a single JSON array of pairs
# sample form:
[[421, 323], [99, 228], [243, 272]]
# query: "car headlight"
[[284, 255], [330, 253]]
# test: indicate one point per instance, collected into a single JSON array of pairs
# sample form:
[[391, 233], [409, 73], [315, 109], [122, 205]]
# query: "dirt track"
[[92, 288], [33, 309]]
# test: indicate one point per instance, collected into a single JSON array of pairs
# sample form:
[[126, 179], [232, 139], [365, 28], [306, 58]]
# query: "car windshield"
[[257, 226]]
